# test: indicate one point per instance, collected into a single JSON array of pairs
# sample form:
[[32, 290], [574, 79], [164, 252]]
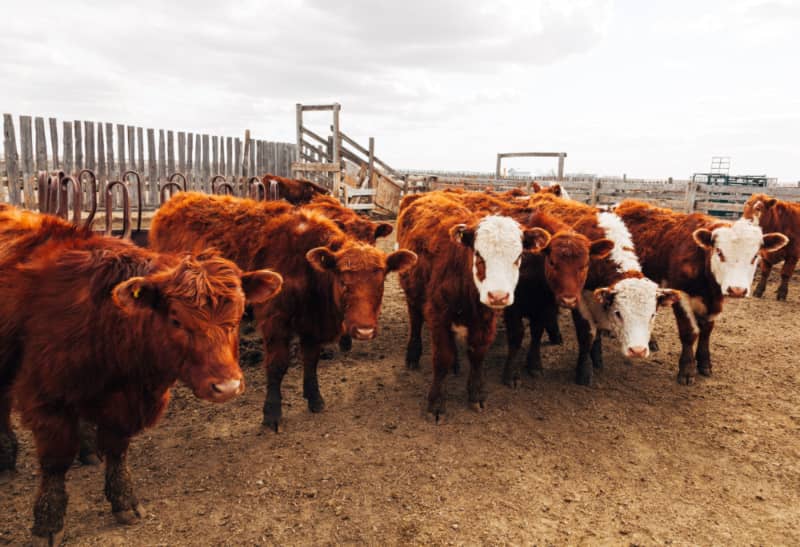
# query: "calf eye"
[[618, 314], [720, 255], [175, 323]]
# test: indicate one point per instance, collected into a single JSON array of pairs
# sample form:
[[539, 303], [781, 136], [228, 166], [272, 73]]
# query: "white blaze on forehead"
[[498, 241], [636, 302], [739, 244], [623, 253]]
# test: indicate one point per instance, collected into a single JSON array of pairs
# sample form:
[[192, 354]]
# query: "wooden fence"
[[111, 149], [679, 195]]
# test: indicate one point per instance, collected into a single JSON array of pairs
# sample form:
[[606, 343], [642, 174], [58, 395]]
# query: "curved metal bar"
[[256, 188], [63, 199], [92, 190], [228, 187], [172, 178], [220, 179], [138, 195], [126, 212], [168, 186]]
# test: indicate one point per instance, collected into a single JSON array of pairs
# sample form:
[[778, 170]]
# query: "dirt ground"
[[633, 459]]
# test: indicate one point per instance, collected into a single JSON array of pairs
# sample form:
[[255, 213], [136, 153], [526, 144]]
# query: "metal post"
[[371, 166], [299, 116], [337, 175], [561, 167], [497, 170]]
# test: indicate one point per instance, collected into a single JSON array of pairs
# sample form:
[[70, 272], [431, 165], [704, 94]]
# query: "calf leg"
[[553, 330], [478, 342], [277, 363], [786, 275], [310, 349], [414, 348], [8, 440], [534, 358], [585, 333], [766, 268], [687, 330], [597, 352], [444, 353], [514, 330], [87, 454], [56, 446], [703, 351], [119, 486]]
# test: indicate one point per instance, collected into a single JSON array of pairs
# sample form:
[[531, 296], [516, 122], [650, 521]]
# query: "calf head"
[[758, 206], [497, 244], [732, 251], [357, 272], [300, 191], [628, 309], [365, 230], [192, 314], [566, 264]]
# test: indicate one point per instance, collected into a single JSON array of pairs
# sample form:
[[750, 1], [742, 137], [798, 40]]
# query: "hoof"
[[51, 540], [478, 406], [436, 411], [597, 365], [345, 343], [130, 516], [272, 418], [89, 459], [781, 297], [535, 371], [513, 383], [704, 371], [412, 365], [583, 378], [555, 340], [326, 354], [758, 293], [316, 405], [653, 345], [685, 379]]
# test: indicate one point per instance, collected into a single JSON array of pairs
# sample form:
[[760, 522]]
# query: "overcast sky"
[[650, 89]]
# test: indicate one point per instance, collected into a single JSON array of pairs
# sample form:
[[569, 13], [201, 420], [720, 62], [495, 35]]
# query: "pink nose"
[[637, 351], [363, 333], [737, 292], [568, 302], [228, 389], [499, 298]]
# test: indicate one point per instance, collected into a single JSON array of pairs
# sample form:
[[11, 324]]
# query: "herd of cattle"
[[94, 330]]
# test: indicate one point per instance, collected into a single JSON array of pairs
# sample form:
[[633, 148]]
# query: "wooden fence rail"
[[679, 195], [110, 151]]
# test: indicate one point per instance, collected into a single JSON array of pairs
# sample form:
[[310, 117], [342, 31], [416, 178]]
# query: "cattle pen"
[[633, 458]]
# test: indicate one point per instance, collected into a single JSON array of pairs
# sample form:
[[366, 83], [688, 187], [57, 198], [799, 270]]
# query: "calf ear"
[[383, 229], [400, 261], [601, 248], [774, 242], [460, 233], [667, 297], [770, 202], [136, 293], [321, 259], [604, 296], [704, 238], [261, 285], [556, 189], [535, 239], [536, 187]]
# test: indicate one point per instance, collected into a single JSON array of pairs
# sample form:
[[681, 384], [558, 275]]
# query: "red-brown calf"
[[333, 284], [776, 216], [295, 191], [96, 329]]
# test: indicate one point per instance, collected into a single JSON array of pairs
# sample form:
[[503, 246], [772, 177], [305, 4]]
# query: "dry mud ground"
[[633, 459]]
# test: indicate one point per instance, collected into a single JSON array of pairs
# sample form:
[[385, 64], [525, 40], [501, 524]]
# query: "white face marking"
[[631, 313], [623, 253], [498, 242], [735, 255]]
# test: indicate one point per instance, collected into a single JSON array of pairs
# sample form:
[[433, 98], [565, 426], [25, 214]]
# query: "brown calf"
[[333, 284], [295, 191], [348, 220], [776, 216], [96, 329], [467, 271], [705, 258]]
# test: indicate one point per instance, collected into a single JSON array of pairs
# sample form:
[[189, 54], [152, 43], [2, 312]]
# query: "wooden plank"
[[181, 152], [371, 165], [251, 166], [198, 158], [77, 127], [152, 166], [102, 172], [11, 157], [88, 145], [131, 135], [26, 160], [140, 148], [162, 156], [121, 161], [259, 158], [113, 172], [237, 159], [317, 107], [315, 167], [221, 166], [67, 165], [229, 165], [270, 165], [41, 144], [206, 171], [214, 155], [189, 150], [54, 143], [170, 152]]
